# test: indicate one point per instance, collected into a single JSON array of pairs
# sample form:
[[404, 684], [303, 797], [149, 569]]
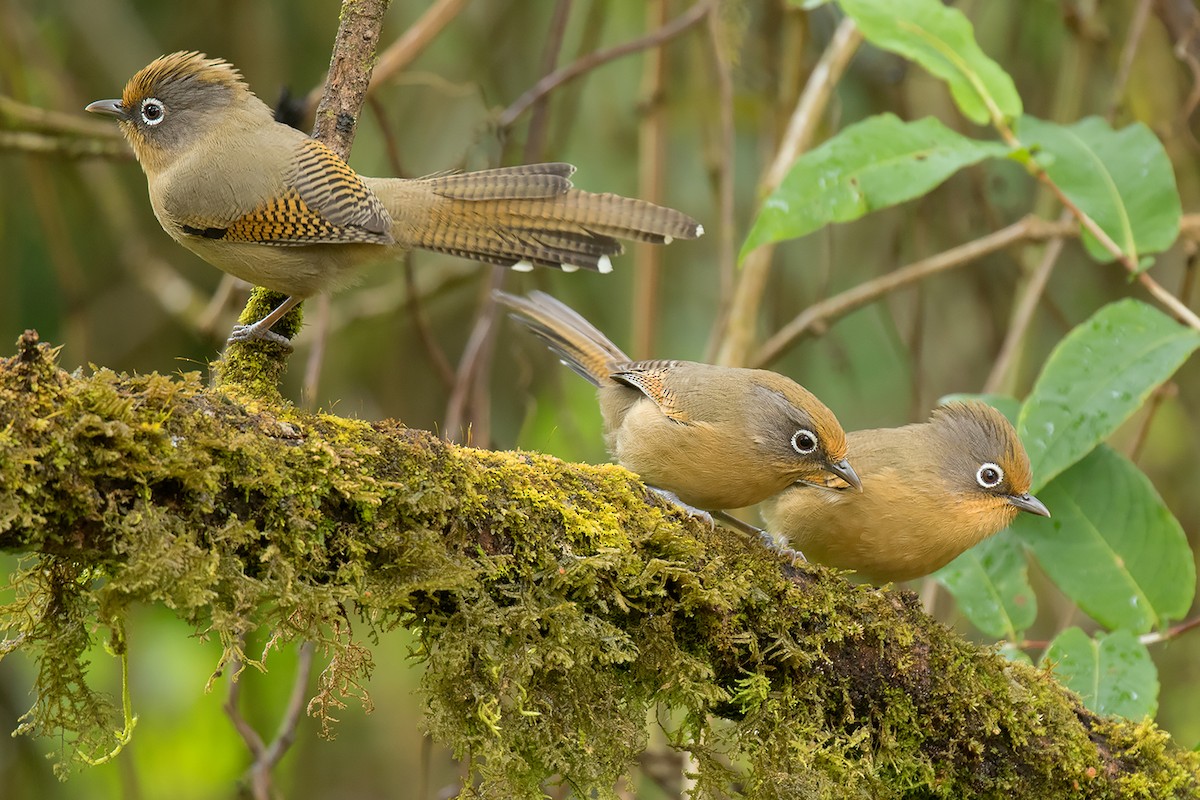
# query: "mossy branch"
[[553, 604]]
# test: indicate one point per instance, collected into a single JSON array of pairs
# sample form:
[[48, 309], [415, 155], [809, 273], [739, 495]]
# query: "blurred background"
[[692, 123]]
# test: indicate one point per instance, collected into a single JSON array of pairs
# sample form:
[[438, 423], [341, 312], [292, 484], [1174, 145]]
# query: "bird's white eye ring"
[[989, 475], [804, 442], [153, 111]]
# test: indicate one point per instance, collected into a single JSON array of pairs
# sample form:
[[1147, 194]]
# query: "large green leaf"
[[942, 41], [1112, 545], [991, 584], [1121, 179], [1112, 674], [873, 164], [1095, 379]]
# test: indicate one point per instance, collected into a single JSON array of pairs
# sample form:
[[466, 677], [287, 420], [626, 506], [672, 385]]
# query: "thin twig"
[[69, 147], [1172, 632], [817, 317], [1022, 316], [456, 406], [539, 120], [416, 313], [743, 314], [589, 62], [651, 168], [24, 117], [412, 297], [320, 327], [1160, 393], [722, 167], [1181, 18], [1170, 301], [468, 409], [254, 742], [1137, 26], [286, 733]]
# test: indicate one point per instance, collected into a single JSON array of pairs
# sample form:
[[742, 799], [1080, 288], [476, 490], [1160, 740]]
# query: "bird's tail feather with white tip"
[[524, 216]]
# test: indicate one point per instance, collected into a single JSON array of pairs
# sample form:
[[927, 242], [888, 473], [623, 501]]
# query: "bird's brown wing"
[[325, 202], [652, 378]]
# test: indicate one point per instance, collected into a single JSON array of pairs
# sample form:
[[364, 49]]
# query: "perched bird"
[[262, 201], [714, 437], [929, 492]]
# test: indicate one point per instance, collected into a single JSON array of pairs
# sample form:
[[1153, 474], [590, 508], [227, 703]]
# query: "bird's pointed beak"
[[846, 472], [111, 108], [1027, 502]]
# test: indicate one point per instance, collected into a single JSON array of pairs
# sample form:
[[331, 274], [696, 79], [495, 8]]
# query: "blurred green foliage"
[[83, 260]]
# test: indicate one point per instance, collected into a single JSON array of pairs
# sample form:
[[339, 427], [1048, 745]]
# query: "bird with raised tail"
[[263, 201], [929, 492], [713, 437]]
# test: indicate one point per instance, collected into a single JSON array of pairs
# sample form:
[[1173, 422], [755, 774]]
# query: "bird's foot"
[[247, 333], [692, 511], [777, 544]]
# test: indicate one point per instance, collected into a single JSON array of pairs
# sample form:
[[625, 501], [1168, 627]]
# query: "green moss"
[[554, 604]]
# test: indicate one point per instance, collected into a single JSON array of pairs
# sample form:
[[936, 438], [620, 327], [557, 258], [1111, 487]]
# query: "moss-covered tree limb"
[[554, 603]]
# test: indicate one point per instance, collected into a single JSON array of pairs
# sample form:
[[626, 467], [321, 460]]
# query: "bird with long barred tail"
[[929, 492], [711, 437], [264, 202]]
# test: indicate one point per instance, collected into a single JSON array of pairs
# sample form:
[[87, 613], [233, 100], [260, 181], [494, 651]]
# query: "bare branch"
[[743, 313], [817, 316], [589, 62]]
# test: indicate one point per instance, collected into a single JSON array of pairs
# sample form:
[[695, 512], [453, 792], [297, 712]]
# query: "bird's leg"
[[262, 328], [770, 540], [674, 500]]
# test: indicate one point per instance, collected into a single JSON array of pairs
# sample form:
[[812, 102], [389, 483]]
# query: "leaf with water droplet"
[[1097, 376], [873, 164], [1112, 545], [1112, 674]]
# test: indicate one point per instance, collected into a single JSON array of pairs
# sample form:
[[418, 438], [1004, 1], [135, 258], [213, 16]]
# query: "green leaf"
[[1121, 179], [873, 164], [1095, 379], [991, 584], [942, 41], [1112, 545], [1112, 674], [1014, 653]]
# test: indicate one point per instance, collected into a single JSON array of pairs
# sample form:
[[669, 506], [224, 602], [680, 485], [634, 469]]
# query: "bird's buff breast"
[[302, 271], [891, 535], [702, 467]]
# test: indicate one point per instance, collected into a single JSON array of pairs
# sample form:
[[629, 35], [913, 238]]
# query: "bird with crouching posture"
[[712, 437], [929, 492], [262, 201]]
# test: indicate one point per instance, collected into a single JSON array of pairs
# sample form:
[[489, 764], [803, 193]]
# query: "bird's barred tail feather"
[[576, 341], [526, 216]]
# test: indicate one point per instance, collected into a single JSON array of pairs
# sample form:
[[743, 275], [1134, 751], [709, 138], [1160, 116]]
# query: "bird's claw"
[[246, 333], [692, 511], [776, 544]]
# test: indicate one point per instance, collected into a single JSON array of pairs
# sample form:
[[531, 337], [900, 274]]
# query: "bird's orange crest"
[[177, 68]]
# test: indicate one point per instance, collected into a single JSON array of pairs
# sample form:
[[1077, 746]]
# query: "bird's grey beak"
[[846, 472], [1027, 502], [112, 108]]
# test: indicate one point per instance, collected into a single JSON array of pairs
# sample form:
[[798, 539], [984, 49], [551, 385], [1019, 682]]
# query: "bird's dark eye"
[[804, 442], [989, 475], [153, 111]]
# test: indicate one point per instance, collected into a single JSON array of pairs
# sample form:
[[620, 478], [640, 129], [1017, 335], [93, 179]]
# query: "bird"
[[265, 202], [710, 437], [929, 492]]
